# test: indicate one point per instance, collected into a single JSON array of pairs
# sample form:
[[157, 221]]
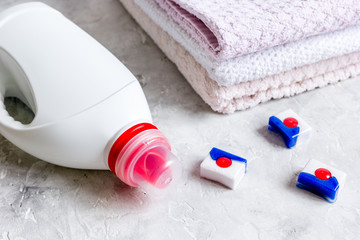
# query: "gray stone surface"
[[43, 201]]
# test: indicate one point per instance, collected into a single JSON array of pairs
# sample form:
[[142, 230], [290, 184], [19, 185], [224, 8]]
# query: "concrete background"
[[43, 201]]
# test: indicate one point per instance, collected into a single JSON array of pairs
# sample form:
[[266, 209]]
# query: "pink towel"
[[236, 27]]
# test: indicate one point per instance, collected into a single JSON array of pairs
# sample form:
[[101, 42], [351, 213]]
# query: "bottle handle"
[[5, 119], [13, 83]]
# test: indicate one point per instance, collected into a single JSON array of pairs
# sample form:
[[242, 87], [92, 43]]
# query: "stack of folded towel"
[[239, 53]]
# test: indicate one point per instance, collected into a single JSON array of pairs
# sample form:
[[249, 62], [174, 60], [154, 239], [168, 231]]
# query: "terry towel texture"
[[237, 27], [241, 95], [261, 63]]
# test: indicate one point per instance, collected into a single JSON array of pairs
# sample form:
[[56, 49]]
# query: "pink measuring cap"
[[142, 156]]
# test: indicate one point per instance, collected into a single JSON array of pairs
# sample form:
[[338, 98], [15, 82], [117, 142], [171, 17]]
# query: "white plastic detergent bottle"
[[90, 111]]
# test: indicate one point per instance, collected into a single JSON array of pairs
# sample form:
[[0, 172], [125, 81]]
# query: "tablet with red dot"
[[291, 127], [223, 167], [321, 179]]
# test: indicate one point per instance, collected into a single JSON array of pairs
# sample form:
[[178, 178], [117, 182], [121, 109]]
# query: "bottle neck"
[[142, 156], [124, 138]]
